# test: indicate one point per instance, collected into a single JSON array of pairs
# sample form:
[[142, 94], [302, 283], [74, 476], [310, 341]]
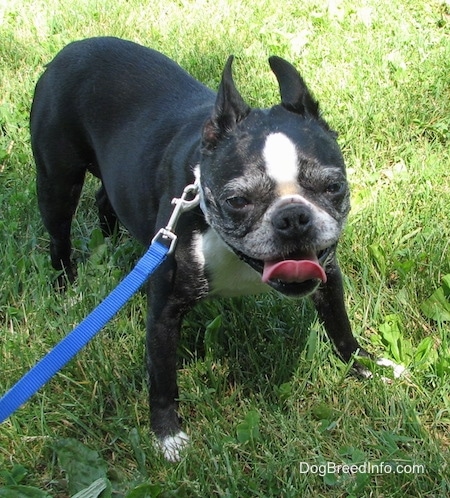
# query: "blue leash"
[[50, 364], [162, 245]]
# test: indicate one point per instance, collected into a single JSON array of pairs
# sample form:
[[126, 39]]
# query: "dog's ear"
[[229, 109], [295, 95]]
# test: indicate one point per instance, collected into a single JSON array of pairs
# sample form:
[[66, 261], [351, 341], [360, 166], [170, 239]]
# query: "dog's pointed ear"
[[229, 109], [295, 95]]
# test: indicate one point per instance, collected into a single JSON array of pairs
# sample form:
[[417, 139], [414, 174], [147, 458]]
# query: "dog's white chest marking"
[[281, 161], [229, 276]]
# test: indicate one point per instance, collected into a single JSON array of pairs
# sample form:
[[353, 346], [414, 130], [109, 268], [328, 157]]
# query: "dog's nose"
[[292, 220]]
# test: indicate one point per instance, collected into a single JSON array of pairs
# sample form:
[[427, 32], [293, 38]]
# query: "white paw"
[[399, 370], [172, 446]]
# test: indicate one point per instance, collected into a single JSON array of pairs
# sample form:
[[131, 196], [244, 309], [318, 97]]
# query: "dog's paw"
[[397, 370], [172, 446], [64, 280]]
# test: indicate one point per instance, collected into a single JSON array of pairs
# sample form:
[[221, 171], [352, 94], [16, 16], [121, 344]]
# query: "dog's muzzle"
[[296, 275]]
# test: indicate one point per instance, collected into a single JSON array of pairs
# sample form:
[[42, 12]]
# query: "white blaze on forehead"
[[281, 159]]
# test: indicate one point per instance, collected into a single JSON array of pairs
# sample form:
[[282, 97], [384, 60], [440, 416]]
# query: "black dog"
[[273, 189]]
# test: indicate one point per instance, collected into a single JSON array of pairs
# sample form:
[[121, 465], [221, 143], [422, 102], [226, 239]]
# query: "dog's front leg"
[[165, 316], [329, 302]]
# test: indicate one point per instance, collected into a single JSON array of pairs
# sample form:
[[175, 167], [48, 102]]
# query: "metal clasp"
[[190, 198]]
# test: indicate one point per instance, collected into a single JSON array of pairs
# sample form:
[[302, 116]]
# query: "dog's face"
[[273, 183]]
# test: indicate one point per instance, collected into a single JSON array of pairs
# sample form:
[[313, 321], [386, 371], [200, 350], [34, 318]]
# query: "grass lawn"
[[270, 409]]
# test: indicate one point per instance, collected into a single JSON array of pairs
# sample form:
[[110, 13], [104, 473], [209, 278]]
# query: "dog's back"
[[108, 84], [112, 107]]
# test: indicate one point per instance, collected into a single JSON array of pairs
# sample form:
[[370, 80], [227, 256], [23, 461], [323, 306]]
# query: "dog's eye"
[[335, 188], [238, 203]]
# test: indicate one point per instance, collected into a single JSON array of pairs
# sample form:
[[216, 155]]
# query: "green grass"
[[261, 391]]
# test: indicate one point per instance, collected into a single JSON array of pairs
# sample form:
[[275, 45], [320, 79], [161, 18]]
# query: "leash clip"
[[190, 198]]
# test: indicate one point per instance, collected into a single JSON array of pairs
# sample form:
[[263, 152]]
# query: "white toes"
[[172, 446], [398, 370]]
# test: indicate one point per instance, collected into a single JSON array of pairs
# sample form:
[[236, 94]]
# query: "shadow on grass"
[[260, 338]]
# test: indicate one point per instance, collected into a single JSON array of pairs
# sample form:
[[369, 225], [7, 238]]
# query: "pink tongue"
[[293, 270]]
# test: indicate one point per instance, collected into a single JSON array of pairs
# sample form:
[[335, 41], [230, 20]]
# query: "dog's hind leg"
[[107, 216], [59, 183]]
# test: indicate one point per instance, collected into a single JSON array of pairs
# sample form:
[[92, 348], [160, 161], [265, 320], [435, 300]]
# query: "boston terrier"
[[272, 183]]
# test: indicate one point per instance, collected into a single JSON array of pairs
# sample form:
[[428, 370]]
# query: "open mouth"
[[297, 274]]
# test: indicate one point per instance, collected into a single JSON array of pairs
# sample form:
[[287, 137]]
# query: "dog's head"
[[273, 182]]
